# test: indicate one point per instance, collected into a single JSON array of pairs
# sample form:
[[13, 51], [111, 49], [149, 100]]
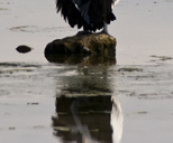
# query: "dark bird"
[[92, 15]]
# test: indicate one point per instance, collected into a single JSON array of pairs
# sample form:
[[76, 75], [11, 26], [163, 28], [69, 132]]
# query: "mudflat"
[[132, 98]]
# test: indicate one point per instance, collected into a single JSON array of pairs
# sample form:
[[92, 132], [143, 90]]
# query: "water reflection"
[[80, 60], [87, 109]]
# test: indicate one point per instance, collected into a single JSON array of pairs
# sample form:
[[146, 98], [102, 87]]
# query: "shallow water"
[[129, 102]]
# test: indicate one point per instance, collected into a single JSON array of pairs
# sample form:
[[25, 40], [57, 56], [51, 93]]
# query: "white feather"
[[115, 2]]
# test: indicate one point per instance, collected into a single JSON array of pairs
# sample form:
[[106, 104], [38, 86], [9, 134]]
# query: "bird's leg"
[[105, 28]]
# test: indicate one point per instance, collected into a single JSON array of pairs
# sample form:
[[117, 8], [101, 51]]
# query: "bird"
[[91, 15]]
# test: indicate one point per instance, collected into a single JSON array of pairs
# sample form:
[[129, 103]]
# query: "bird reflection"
[[86, 109], [116, 120]]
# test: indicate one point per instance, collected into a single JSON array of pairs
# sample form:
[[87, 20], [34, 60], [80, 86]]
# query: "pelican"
[[91, 15]]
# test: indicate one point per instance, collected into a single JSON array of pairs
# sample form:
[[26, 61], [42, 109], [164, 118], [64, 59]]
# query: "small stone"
[[23, 49]]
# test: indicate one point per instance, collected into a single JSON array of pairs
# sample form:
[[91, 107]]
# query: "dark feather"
[[69, 12], [99, 11]]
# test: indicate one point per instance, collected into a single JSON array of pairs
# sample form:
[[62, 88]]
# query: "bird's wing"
[[69, 12], [101, 10], [83, 6]]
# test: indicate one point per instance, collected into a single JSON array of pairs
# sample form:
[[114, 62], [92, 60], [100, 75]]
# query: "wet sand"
[[140, 85]]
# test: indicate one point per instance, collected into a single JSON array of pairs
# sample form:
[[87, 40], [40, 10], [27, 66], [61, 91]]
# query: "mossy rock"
[[99, 46]]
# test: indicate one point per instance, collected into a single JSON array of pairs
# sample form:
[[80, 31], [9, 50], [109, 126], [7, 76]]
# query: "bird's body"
[[92, 15]]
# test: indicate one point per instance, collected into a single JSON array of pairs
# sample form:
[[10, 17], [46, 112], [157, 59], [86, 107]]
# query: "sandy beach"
[[138, 89]]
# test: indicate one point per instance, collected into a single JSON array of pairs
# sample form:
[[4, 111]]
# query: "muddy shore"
[[136, 93]]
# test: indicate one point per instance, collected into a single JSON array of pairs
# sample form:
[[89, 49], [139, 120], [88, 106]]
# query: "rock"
[[99, 47], [23, 49]]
